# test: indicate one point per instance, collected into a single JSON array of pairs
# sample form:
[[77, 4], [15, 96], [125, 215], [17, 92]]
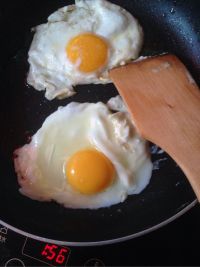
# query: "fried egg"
[[79, 44], [84, 156]]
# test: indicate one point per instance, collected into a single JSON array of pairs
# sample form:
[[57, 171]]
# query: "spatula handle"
[[183, 143]]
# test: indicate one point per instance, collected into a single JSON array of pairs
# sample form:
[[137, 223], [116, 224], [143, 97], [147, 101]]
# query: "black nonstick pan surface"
[[169, 26]]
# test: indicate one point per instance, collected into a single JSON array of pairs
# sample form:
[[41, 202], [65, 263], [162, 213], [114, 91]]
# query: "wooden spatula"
[[164, 102]]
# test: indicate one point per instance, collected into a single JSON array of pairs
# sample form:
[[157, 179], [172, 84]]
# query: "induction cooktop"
[[172, 245]]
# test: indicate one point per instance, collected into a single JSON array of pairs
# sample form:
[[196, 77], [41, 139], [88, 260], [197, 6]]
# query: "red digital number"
[[61, 256], [49, 251]]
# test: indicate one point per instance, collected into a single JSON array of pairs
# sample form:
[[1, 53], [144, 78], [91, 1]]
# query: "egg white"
[[40, 165], [51, 70]]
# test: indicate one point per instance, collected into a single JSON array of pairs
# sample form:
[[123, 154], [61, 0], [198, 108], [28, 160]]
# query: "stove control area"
[[17, 250], [172, 245]]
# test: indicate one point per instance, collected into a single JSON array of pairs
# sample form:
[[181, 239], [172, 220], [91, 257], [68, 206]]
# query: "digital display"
[[53, 255]]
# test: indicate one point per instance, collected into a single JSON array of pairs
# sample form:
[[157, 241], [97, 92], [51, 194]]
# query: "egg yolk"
[[88, 51], [89, 171]]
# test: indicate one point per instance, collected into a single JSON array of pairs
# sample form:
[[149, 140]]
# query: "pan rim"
[[102, 242]]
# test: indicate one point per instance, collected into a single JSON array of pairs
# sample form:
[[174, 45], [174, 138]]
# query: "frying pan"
[[169, 26]]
